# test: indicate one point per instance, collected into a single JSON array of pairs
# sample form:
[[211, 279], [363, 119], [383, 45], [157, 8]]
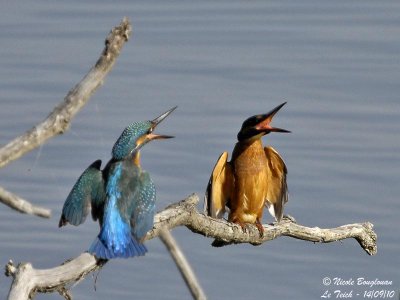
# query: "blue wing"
[[87, 192], [123, 192], [136, 203], [142, 212]]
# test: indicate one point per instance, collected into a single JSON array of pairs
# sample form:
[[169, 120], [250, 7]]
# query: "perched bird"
[[255, 177], [122, 196]]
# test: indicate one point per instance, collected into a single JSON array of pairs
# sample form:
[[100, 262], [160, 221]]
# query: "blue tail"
[[133, 248]]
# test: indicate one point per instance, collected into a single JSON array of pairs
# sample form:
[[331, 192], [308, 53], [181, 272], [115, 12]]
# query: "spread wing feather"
[[136, 204], [277, 191], [88, 192], [142, 216], [219, 188]]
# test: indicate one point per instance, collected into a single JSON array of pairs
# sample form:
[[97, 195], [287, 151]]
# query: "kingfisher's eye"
[[150, 130]]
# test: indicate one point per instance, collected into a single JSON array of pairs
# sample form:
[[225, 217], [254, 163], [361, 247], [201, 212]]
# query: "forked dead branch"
[[27, 281]]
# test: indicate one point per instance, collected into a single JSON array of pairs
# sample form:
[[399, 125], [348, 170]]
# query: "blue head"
[[136, 135]]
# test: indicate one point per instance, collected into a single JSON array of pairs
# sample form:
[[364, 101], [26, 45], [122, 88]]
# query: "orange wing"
[[277, 191], [219, 188]]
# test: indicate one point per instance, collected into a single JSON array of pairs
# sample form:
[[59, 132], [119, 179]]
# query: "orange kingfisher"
[[255, 177]]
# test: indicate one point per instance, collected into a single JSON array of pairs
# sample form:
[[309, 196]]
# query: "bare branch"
[[28, 280], [185, 213], [22, 205], [59, 119], [184, 267]]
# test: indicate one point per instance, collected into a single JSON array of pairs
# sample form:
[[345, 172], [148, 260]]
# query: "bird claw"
[[257, 224], [242, 225], [260, 229], [244, 228]]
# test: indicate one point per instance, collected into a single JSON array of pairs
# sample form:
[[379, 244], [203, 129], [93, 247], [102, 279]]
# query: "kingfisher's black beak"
[[259, 125], [266, 119], [155, 122]]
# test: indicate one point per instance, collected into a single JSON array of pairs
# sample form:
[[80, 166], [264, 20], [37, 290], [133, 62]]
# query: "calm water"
[[336, 63]]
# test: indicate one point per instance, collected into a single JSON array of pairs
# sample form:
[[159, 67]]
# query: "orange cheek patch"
[[140, 140]]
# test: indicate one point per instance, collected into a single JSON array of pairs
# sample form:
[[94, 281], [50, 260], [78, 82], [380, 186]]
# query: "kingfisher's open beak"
[[265, 121], [259, 125], [155, 122]]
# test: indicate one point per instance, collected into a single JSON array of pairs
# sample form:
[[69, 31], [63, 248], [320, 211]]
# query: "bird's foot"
[[257, 224], [241, 224], [260, 228]]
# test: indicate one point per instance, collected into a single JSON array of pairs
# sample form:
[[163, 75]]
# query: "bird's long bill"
[[153, 136], [265, 124], [159, 119]]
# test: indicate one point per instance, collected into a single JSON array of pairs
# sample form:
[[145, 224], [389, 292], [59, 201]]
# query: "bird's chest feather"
[[250, 173], [123, 184], [115, 232], [249, 160]]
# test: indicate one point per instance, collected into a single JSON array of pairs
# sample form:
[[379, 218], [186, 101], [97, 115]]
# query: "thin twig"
[[22, 205], [183, 266]]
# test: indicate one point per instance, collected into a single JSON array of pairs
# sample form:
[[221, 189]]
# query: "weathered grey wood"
[[22, 205], [28, 280], [183, 266], [59, 119], [185, 213]]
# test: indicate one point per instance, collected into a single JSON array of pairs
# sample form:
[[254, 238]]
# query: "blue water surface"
[[337, 65]]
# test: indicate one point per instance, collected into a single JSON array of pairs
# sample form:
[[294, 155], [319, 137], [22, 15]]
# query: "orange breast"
[[250, 171]]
